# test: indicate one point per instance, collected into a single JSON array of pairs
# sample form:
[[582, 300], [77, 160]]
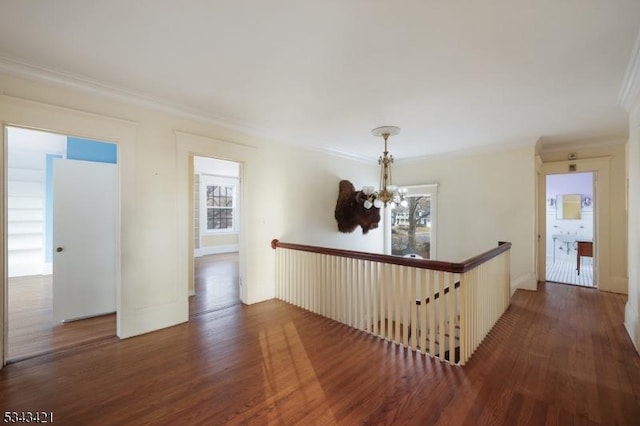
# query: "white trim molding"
[[619, 284], [630, 90], [227, 248], [524, 282], [38, 73], [632, 324]]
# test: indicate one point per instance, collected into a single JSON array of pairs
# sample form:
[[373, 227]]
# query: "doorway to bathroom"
[[570, 229]]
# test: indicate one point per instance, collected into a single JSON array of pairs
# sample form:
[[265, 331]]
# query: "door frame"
[[188, 146], [594, 182], [25, 113], [4, 269], [239, 206], [600, 167]]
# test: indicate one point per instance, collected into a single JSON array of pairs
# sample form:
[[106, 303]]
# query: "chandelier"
[[388, 194]]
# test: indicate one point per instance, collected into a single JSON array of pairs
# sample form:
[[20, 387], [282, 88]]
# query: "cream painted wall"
[[288, 194], [613, 276], [483, 198], [310, 199], [632, 308]]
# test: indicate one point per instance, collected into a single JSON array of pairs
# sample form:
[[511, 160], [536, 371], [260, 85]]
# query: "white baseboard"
[[618, 285], [632, 324], [524, 282], [204, 251]]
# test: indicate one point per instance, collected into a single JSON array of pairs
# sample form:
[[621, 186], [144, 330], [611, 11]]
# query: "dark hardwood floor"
[[31, 327], [559, 356], [32, 331], [216, 283]]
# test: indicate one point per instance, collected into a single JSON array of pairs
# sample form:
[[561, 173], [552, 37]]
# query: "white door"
[[84, 239]]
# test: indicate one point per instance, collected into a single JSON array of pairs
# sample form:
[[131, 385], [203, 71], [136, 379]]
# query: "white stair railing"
[[442, 309]]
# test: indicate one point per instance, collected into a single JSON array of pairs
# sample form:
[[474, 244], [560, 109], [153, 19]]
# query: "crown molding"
[[37, 73], [85, 85], [630, 90], [341, 154], [547, 146], [16, 100]]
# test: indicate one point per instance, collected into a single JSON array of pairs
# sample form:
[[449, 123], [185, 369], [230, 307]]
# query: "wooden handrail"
[[436, 265]]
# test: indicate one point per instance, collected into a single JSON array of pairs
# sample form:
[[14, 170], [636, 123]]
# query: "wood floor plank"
[[32, 330], [31, 327], [557, 356]]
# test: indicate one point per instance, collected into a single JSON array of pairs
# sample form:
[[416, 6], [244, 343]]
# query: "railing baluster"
[[294, 277], [333, 285], [463, 318], [290, 272], [387, 285], [345, 290], [315, 280], [368, 302], [506, 259], [357, 291], [297, 287], [375, 318], [286, 272], [441, 317], [304, 300], [397, 310], [452, 317], [423, 310], [413, 296], [472, 307], [348, 298], [404, 301], [431, 306], [339, 296], [353, 291]]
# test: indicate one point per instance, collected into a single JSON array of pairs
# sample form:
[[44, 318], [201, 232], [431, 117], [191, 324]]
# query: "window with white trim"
[[219, 212], [411, 226]]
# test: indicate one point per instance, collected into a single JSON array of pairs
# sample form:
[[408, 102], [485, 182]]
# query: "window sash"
[[220, 207]]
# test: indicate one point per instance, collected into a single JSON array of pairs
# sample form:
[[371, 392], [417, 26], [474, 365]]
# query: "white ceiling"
[[452, 74]]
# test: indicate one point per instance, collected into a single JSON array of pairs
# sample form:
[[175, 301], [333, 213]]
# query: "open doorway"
[[570, 229], [36, 282], [216, 218]]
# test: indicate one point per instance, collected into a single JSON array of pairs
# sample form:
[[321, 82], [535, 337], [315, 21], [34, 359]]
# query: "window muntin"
[[220, 202]]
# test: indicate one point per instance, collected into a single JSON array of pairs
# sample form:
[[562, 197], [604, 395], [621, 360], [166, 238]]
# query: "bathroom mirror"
[[568, 206]]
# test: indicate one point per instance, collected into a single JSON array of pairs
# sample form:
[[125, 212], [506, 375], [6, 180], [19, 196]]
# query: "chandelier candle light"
[[388, 192]]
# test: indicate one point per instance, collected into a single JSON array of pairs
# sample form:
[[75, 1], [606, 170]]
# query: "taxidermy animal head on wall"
[[355, 208]]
